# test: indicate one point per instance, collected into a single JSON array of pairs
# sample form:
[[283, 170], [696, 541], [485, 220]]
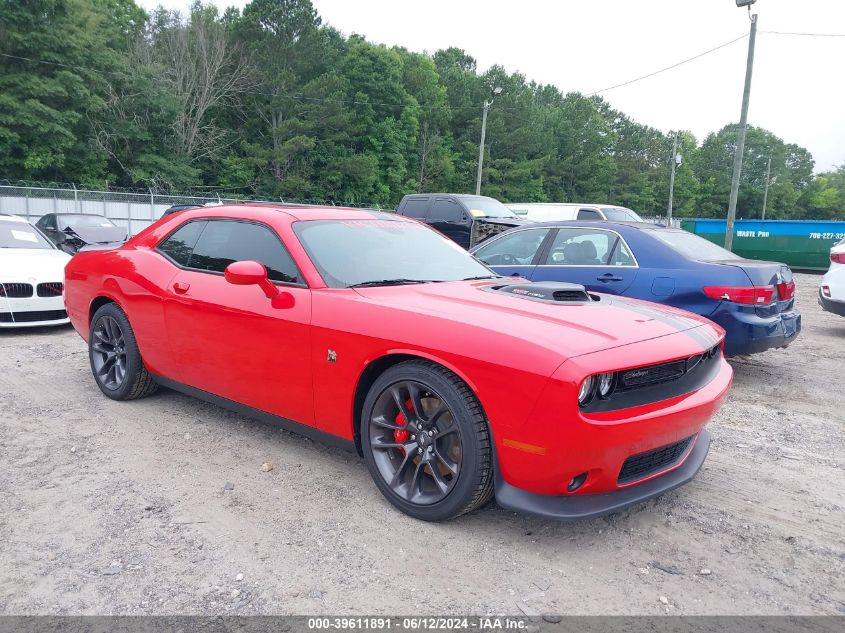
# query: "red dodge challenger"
[[376, 332]]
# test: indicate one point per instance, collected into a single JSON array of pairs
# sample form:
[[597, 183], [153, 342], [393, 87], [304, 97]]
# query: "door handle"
[[608, 277], [180, 287]]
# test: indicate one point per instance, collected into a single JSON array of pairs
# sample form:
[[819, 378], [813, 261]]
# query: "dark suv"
[[464, 218]]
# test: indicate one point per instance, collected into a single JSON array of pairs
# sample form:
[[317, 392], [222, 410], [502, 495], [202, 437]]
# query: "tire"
[[115, 358], [448, 471]]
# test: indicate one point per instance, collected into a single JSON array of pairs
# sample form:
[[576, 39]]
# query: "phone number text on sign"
[[827, 236]]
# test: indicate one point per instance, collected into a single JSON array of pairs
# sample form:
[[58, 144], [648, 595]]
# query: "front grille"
[[641, 466], [15, 290], [50, 289], [652, 383], [31, 317], [653, 374]]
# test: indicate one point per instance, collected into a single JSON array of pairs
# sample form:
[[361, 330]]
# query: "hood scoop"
[[547, 292]]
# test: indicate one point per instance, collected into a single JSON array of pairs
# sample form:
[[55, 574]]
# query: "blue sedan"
[[752, 300]]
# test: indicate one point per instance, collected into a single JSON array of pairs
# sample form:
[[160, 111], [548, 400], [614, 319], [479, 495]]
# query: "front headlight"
[[586, 390], [605, 384]]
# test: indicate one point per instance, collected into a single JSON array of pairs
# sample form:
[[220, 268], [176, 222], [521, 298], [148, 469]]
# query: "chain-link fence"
[[136, 209], [132, 209]]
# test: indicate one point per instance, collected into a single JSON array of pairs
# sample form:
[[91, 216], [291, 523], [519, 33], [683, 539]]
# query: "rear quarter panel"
[[135, 279], [667, 277]]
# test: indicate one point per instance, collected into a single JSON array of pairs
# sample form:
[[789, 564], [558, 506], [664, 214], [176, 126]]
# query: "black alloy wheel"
[[115, 358], [108, 356], [426, 441], [416, 442]]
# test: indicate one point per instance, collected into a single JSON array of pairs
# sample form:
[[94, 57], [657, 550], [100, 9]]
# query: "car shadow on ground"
[[485, 520], [835, 331]]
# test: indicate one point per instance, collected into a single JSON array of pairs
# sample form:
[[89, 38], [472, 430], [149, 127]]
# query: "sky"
[[590, 45]]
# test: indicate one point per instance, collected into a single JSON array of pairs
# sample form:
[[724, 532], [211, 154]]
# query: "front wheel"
[[115, 358], [426, 442]]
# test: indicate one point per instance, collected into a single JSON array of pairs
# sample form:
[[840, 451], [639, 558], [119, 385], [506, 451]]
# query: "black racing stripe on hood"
[[705, 337]]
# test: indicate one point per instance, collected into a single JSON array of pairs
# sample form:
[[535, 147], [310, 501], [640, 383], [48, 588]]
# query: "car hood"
[[570, 329], [505, 221], [97, 234], [40, 264]]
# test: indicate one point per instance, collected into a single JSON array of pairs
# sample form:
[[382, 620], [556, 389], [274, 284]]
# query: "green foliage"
[[269, 101]]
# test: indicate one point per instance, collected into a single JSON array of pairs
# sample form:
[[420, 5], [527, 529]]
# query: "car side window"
[[620, 255], [225, 241], [588, 214], [581, 247], [416, 208], [445, 210], [180, 244], [515, 249]]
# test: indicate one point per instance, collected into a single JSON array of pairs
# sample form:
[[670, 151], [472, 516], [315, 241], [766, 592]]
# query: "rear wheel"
[[426, 442], [115, 358]]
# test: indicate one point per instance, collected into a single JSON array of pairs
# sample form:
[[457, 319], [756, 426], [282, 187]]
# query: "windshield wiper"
[[391, 282], [481, 277]]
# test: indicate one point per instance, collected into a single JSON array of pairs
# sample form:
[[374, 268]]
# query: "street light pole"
[[672, 179], [766, 190], [740, 137], [487, 104]]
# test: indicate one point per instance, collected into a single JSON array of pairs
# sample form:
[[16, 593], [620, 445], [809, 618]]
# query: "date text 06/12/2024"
[[418, 623]]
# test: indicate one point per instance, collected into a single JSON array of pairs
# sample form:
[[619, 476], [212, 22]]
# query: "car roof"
[[98, 215], [643, 226], [454, 195], [302, 213], [8, 217], [565, 204]]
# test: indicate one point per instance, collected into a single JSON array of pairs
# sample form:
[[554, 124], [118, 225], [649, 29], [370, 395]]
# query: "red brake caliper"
[[400, 436]]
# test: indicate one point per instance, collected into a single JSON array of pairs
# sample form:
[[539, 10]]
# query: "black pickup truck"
[[464, 218]]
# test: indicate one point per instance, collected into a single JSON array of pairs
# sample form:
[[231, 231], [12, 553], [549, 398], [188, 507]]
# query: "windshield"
[[621, 214], [20, 235], [353, 252], [483, 207], [693, 246], [83, 219]]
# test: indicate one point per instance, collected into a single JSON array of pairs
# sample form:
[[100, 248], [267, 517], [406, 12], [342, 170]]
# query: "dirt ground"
[[159, 506]]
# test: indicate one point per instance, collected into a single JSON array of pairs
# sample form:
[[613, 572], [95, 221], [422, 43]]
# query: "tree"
[[50, 86]]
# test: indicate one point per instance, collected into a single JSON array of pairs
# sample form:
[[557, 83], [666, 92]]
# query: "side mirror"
[[248, 273]]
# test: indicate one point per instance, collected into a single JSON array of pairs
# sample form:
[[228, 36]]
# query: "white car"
[[562, 211], [32, 273], [832, 290]]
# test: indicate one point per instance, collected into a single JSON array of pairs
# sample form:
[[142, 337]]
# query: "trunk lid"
[[762, 273]]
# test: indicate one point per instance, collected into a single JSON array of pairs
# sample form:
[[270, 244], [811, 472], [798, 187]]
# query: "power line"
[[804, 34], [663, 70]]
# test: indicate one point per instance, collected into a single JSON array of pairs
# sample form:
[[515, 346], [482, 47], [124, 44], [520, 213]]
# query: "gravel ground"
[[160, 506]]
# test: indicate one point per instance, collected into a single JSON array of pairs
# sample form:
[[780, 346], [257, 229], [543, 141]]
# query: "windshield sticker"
[[24, 236], [477, 213]]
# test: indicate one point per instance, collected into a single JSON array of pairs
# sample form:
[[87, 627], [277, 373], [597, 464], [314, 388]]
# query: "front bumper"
[[555, 445], [829, 305], [579, 507], [32, 312]]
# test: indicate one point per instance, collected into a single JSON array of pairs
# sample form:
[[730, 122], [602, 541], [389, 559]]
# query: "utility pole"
[[743, 128], [672, 179], [766, 190], [487, 103]]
